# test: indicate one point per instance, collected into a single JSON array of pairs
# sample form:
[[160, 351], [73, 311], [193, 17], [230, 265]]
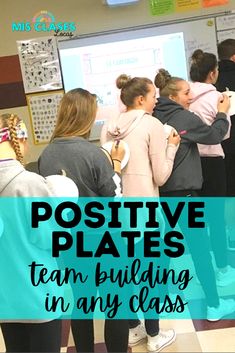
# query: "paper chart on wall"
[[225, 22], [43, 111], [222, 35], [39, 64]]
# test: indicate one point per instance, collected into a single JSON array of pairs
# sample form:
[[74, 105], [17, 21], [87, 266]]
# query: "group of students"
[[173, 166]]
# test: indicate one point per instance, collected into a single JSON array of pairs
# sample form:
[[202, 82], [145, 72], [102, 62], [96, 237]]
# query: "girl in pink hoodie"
[[151, 153], [204, 74], [150, 165]]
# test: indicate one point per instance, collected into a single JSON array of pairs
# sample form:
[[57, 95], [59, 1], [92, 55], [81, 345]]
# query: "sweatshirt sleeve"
[[206, 108], [213, 111], [199, 132], [36, 187], [161, 154]]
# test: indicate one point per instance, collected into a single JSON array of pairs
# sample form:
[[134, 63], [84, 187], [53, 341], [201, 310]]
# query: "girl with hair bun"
[[173, 109], [204, 74], [150, 165], [186, 178], [152, 155]]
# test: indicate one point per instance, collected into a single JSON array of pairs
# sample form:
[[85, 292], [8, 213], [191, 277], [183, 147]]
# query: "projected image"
[[96, 67], [101, 71], [94, 63]]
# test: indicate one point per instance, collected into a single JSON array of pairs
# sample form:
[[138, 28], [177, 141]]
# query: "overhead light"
[[119, 2]]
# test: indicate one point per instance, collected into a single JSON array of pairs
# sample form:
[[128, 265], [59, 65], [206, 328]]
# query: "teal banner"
[[116, 258]]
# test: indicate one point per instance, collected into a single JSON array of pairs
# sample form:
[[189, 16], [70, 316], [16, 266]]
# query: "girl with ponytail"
[[204, 73]]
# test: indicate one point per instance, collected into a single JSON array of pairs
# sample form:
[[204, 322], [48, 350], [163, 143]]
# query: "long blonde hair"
[[11, 121], [76, 114]]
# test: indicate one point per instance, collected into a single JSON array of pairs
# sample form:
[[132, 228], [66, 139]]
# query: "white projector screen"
[[96, 66], [94, 61]]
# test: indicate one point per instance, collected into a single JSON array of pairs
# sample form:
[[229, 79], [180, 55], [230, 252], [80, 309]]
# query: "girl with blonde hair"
[[92, 172], [71, 150], [17, 249]]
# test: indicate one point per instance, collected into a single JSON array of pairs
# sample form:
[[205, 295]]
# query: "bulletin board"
[[39, 64], [43, 109]]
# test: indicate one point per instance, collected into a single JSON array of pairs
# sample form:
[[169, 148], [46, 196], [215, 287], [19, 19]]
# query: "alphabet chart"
[[40, 64], [43, 111]]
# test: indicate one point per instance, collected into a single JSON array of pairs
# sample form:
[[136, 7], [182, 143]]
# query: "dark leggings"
[[199, 248], [32, 337], [230, 173], [115, 334], [214, 184], [151, 326]]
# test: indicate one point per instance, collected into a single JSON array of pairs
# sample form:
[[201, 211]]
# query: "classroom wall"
[[90, 16]]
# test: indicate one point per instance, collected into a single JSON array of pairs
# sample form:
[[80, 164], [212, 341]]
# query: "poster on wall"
[[225, 22], [43, 111], [161, 7], [210, 3], [225, 26], [166, 7], [222, 35], [187, 5], [39, 63]]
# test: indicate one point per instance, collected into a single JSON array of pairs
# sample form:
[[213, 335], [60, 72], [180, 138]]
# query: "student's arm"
[[107, 179], [34, 188], [199, 132]]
